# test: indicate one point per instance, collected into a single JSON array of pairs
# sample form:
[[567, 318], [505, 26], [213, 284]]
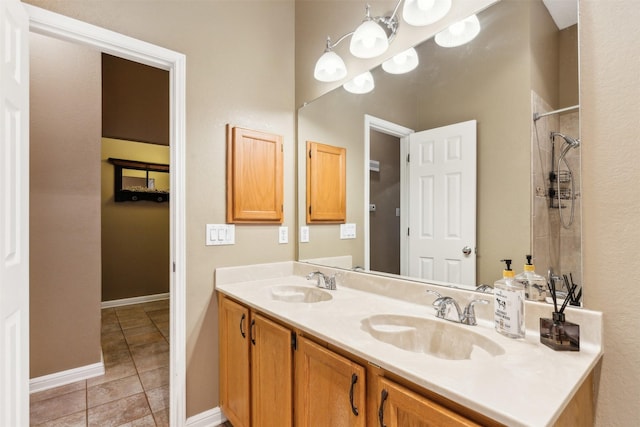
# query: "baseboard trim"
[[211, 418], [69, 376], [134, 300]]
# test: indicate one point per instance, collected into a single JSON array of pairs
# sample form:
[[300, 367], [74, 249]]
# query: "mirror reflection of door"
[[384, 202], [442, 204]]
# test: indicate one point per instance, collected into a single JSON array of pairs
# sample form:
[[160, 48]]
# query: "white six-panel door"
[[14, 214], [442, 203]]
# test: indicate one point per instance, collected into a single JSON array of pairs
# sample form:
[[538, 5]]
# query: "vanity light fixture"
[[372, 37], [360, 84], [402, 62], [459, 33]]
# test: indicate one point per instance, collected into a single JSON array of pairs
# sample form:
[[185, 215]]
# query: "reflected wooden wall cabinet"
[[254, 177], [326, 183]]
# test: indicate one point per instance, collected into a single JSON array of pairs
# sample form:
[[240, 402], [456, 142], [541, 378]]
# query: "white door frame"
[[389, 128], [51, 24]]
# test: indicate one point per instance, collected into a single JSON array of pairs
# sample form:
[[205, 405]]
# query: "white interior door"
[[442, 204], [14, 214]]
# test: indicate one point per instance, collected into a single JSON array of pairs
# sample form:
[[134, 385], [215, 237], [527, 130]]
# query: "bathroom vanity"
[[372, 353]]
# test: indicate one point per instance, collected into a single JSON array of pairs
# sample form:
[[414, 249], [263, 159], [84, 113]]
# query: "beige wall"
[[240, 70], [65, 206], [610, 91], [135, 235]]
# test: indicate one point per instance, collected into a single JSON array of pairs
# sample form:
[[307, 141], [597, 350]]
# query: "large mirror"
[[520, 64]]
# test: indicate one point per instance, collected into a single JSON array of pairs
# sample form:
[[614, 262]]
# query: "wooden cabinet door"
[[326, 183], [330, 390], [254, 177], [235, 388], [400, 407], [271, 371]]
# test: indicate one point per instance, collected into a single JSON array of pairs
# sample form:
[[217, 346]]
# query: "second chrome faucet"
[[324, 281], [448, 308]]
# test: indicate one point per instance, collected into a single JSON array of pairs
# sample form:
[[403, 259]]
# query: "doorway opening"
[[378, 132], [58, 26]]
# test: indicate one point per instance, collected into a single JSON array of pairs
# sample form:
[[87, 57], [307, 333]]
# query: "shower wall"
[[553, 246]]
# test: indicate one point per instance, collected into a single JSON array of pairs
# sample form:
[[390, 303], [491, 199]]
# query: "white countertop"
[[529, 385]]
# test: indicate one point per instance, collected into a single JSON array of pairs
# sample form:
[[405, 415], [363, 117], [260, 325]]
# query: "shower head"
[[571, 142]]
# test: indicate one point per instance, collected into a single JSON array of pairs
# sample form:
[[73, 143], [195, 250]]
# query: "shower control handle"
[[466, 250]]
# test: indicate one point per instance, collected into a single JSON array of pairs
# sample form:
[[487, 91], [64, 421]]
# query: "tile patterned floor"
[[134, 391]]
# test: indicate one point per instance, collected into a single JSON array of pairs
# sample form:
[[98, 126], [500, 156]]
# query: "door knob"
[[466, 250]]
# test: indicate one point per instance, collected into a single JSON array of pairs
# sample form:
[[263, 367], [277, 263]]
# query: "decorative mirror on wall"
[[521, 63]]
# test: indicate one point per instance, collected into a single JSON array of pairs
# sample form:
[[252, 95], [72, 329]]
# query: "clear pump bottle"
[[509, 304], [535, 286]]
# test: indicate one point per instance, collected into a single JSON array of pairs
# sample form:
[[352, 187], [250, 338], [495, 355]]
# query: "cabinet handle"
[[241, 325], [383, 397], [354, 380], [253, 324]]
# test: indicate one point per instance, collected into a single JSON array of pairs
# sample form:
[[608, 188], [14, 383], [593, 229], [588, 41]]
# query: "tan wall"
[[135, 235], [240, 70], [65, 206], [609, 95]]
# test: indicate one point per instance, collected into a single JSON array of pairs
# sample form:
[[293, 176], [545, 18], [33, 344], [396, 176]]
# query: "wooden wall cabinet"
[[326, 183], [254, 177]]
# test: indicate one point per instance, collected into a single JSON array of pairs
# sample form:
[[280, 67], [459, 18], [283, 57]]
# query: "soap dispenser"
[[509, 304], [535, 286]]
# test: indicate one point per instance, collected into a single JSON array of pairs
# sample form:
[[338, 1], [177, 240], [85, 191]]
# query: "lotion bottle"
[[509, 304], [535, 286]]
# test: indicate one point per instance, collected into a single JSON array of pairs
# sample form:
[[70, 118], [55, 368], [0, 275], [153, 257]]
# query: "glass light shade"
[[369, 40], [424, 12], [362, 83], [459, 33], [330, 67], [402, 62]]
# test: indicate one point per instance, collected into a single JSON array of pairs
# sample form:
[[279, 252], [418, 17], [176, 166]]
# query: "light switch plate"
[[220, 234], [348, 231], [304, 234], [283, 235]]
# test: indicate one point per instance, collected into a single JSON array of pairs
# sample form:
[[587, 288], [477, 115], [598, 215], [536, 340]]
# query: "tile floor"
[[134, 391]]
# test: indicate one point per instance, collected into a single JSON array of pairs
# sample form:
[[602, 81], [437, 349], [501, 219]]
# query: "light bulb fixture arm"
[[389, 23], [330, 45]]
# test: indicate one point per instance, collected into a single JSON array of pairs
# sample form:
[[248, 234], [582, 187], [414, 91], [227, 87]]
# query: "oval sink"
[[292, 293], [437, 338]]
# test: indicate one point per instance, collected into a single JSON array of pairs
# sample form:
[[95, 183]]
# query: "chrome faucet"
[[324, 281], [447, 308]]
